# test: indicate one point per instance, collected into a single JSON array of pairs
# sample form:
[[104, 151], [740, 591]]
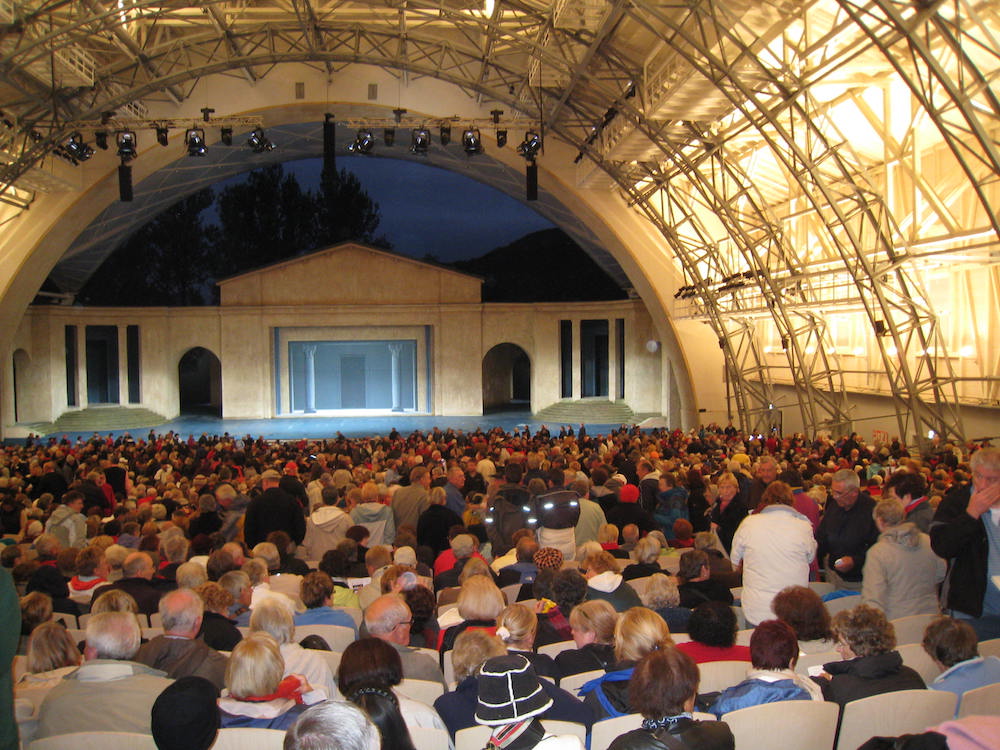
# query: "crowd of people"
[[479, 548]]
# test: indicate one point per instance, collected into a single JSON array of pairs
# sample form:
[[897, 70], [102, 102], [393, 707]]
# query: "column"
[[310, 352], [577, 362], [122, 364], [612, 360], [395, 350], [83, 392]]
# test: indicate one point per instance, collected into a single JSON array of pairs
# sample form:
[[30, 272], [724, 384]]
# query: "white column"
[[395, 350], [310, 352], [122, 364], [612, 359], [577, 360], [81, 367]]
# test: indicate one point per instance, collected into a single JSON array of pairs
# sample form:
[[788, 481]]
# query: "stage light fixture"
[[420, 140], [530, 146], [227, 136], [258, 142], [501, 138], [162, 136], [194, 139], [127, 144], [445, 136], [471, 141], [125, 182], [389, 136], [77, 149], [101, 139], [364, 142]]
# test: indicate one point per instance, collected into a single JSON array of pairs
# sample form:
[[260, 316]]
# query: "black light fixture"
[[194, 139], [445, 135], [471, 142], [101, 139], [258, 142], [127, 145], [530, 146], [501, 138], [227, 136], [389, 136], [77, 149], [162, 135], [364, 142], [420, 140]]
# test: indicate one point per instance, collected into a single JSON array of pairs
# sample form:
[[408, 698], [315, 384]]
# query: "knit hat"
[[548, 557], [509, 691], [629, 493], [185, 716]]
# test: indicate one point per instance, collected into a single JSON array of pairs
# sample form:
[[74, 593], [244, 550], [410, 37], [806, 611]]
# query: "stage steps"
[[586, 410], [98, 419]]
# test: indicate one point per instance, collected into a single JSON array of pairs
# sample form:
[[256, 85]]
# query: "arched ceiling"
[[824, 173]]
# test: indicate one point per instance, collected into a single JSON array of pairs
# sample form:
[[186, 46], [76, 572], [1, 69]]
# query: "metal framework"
[[825, 173]]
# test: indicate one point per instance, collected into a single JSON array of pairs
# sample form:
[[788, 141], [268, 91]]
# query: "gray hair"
[[848, 478], [180, 610], [274, 617], [269, 554], [332, 725], [889, 511], [234, 582], [395, 612], [647, 550], [113, 635], [175, 548], [191, 575], [463, 545]]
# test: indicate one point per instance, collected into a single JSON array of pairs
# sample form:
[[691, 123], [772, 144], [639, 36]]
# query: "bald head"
[[388, 618], [138, 565]]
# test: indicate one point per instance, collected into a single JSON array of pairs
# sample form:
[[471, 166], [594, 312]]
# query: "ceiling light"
[[162, 136], [420, 140], [471, 142], [258, 142], [194, 139], [530, 146], [77, 149], [364, 142], [126, 142]]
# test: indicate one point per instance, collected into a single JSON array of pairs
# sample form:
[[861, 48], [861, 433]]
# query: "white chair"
[[151, 633], [155, 621], [718, 675], [510, 592], [787, 725], [472, 738], [247, 738], [449, 669], [332, 659], [917, 659], [842, 603], [554, 726], [818, 659], [573, 682], [911, 629], [77, 635], [605, 732], [554, 649], [432, 653], [337, 637], [743, 637], [892, 714], [990, 647], [356, 614], [425, 691], [702, 716], [82, 620], [670, 563], [639, 585], [982, 701], [737, 593], [19, 667], [103, 740], [69, 621], [429, 738], [822, 587], [741, 620]]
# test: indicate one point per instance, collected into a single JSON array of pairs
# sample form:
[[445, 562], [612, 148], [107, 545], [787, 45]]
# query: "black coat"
[[697, 735], [961, 539], [865, 676], [273, 510]]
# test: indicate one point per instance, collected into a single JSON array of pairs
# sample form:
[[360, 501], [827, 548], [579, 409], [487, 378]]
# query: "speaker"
[[329, 143], [531, 181], [125, 182], [880, 329]]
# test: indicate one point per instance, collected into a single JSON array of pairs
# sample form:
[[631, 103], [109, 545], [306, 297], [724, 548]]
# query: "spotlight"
[[227, 136], [127, 146], [77, 149], [101, 139], [161, 136], [501, 138], [364, 142], [389, 136], [420, 140], [530, 146], [258, 143], [445, 135], [194, 139], [471, 142]]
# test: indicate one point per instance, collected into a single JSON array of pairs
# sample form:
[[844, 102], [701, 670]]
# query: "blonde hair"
[[36, 608], [596, 616], [216, 598], [51, 647], [480, 599], [114, 600], [727, 477], [256, 570], [273, 617], [437, 496], [472, 648], [519, 625], [647, 550], [255, 667], [600, 562], [638, 631], [607, 533]]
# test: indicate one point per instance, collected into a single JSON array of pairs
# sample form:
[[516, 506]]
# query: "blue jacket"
[[754, 692], [968, 675]]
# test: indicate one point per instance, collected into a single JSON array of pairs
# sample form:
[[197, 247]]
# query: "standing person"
[[846, 531], [409, 502], [273, 510], [775, 546], [67, 523], [728, 511], [965, 532], [10, 629], [453, 490]]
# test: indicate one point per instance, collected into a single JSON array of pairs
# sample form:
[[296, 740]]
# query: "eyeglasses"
[[404, 622]]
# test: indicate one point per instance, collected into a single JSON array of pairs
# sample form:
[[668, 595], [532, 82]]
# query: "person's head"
[[378, 557], [463, 546], [516, 627], [334, 563], [509, 691], [683, 530], [547, 558], [607, 534], [73, 500], [185, 716], [274, 617], [51, 647], [593, 622], [630, 533], [389, 618], [138, 565], [569, 588], [237, 584], [845, 488], [985, 466], [525, 549], [713, 624], [215, 598], [175, 548], [255, 667], [256, 571], [480, 599], [333, 725], [906, 486], [315, 589], [767, 469], [706, 540], [114, 600], [369, 661], [804, 610], [638, 631], [773, 646], [664, 683], [190, 575], [694, 565], [949, 641], [472, 649], [47, 546], [728, 485], [181, 611], [112, 635], [36, 608], [382, 707], [888, 512], [661, 592], [777, 493], [270, 479], [90, 562], [863, 631], [474, 567], [268, 553], [599, 562]]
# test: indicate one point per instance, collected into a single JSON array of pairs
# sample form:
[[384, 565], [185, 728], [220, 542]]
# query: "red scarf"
[[290, 687]]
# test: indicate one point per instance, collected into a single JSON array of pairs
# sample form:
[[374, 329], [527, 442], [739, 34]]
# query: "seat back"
[[893, 714], [804, 724], [604, 732], [510, 592], [982, 701], [718, 675], [554, 649], [425, 691], [911, 629], [822, 587], [337, 637], [249, 738], [990, 647], [472, 738], [919, 660], [554, 726], [573, 682], [743, 637], [815, 660], [429, 738], [639, 585], [103, 740]]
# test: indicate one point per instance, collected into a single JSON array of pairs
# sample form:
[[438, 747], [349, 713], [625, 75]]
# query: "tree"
[[347, 212]]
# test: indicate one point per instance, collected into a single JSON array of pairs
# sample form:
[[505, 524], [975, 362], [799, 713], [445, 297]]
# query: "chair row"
[[154, 621]]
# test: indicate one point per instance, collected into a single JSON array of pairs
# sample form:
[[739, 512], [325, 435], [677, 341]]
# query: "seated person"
[[696, 583], [802, 608], [662, 597], [524, 570], [953, 646], [712, 628], [274, 617], [480, 602], [516, 627], [51, 655], [683, 534], [647, 552], [605, 582], [217, 630], [593, 628], [774, 650], [607, 537], [316, 592]]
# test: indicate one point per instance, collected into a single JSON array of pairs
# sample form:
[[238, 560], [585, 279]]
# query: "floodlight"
[[364, 142], [471, 142], [77, 149], [445, 135], [227, 136], [258, 142], [501, 138], [194, 139], [420, 140], [162, 136], [127, 145], [530, 146]]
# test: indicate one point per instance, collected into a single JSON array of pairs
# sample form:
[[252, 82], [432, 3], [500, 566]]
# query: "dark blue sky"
[[426, 210]]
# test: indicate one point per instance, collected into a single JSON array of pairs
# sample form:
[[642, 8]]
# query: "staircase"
[[587, 410], [98, 419]]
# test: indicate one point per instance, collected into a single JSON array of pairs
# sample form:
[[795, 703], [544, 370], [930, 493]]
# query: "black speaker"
[[329, 143], [531, 181], [880, 329], [125, 182]]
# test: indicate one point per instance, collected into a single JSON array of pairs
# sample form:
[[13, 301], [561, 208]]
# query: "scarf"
[[289, 688]]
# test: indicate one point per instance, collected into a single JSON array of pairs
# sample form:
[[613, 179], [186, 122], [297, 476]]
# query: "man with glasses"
[[846, 531], [389, 618]]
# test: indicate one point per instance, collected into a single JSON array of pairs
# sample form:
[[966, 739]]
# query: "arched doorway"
[[506, 379], [199, 378]]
